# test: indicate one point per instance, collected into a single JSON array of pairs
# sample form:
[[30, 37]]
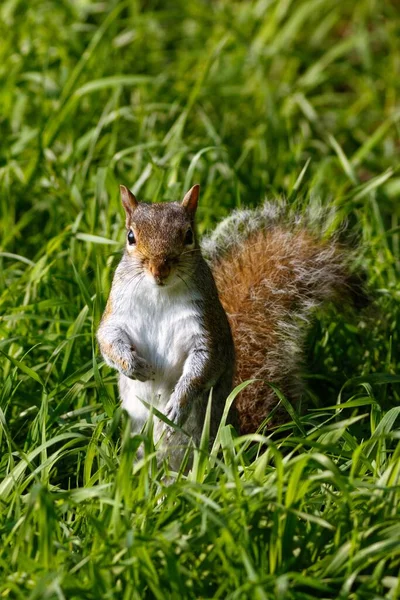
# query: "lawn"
[[253, 99]]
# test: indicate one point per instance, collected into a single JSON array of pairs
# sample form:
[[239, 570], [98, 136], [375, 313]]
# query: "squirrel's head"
[[161, 238]]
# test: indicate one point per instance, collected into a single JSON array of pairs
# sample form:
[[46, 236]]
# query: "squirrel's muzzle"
[[160, 270]]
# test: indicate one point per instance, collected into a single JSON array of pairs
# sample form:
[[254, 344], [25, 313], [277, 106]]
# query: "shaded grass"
[[251, 98]]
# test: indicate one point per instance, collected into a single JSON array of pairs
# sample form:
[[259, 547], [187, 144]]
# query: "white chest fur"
[[164, 324]]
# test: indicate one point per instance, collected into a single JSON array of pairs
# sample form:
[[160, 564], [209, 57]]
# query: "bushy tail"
[[272, 270]]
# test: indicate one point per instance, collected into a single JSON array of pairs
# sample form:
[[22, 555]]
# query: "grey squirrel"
[[164, 328], [184, 319]]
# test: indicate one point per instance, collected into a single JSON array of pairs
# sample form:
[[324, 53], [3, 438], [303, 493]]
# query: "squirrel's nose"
[[160, 270]]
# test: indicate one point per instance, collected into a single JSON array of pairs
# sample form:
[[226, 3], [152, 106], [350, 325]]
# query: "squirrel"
[[183, 319]]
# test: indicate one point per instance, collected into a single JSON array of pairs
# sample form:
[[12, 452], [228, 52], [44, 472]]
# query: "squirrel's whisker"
[[191, 251], [183, 280]]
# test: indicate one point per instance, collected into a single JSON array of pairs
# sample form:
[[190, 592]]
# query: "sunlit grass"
[[248, 98]]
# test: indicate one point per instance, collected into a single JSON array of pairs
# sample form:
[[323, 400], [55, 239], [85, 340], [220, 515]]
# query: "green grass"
[[297, 98]]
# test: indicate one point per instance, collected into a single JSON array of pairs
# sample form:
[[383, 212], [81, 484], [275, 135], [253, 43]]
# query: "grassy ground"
[[280, 97]]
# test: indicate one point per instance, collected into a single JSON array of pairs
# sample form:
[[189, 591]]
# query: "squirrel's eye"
[[189, 237], [131, 238]]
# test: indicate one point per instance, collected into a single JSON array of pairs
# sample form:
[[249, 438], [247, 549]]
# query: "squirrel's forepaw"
[[139, 369], [176, 413], [173, 412]]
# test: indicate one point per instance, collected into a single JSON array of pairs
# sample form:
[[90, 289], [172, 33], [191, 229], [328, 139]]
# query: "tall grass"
[[296, 98]]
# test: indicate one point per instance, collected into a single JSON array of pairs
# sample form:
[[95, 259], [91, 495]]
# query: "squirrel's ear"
[[129, 202], [191, 198]]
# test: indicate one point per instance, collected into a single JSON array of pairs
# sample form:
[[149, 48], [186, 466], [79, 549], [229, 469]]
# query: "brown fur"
[[267, 287]]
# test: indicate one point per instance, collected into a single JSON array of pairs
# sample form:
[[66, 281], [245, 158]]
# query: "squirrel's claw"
[[176, 412]]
